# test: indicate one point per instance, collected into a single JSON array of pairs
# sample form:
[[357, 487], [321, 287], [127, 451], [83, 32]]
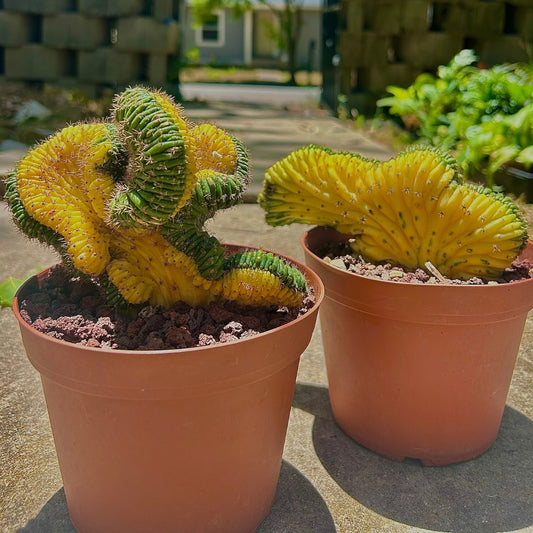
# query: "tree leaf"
[[525, 157], [502, 156], [8, 290]]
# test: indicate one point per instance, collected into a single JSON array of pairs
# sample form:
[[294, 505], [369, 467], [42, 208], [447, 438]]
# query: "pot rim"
[[436, 286], [311, 277]]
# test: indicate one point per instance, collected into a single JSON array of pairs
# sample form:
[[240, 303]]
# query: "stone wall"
[[390, 42], [88, 44]]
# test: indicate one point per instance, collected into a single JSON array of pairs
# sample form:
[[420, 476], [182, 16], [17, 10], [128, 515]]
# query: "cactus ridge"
[[267, 262], [112, 294], [157, 180], [51, 182], [27, 224], [253, 286], [445, 157], [313, 185], [125, 201], [407, 211], [212, 191]]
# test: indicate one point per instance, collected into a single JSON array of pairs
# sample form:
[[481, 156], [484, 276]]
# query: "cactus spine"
[[125, 201], [407, 211]]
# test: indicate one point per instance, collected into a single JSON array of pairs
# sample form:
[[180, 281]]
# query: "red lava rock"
[[249, 333], [153, 323], [517, 271], [219, 313], [208, 329], [39, 309], [179, 337], [90, 302], [177, 318], [206, 340], [72, 309], [133, 328], [153, 342], [103, 310], [227, 337], [251, 322], [93, 343], [233, 328]]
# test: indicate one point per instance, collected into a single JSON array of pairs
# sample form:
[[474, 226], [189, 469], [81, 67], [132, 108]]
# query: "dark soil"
[[340, 255], [72, 309]]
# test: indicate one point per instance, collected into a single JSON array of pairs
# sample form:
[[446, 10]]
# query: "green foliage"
[[484, 115], [504, 140], [193, 55], [203, 9], [7, 291]]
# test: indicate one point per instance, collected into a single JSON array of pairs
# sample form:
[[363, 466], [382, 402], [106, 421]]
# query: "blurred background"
[[452, 73]]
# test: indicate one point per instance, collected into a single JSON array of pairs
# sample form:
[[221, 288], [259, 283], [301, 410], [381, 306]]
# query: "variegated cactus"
[[410, 210], [124, 201]]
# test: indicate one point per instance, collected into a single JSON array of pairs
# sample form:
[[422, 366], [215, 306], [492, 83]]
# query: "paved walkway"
[[328, 483]]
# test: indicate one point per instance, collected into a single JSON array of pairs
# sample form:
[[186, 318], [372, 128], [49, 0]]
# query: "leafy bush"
[[484, 115]]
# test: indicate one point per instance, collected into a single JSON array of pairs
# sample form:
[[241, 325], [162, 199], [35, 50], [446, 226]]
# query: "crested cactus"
[[410, 210], [124, 201]]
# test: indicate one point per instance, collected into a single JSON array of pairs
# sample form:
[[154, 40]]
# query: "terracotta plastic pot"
[[418, 371], [186, 440]]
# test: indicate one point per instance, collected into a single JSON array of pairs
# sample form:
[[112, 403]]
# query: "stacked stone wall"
[[88, 44], [390, 42]]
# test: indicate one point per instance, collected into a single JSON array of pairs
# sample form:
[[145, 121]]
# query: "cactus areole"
[[411, 211], [124, 201]]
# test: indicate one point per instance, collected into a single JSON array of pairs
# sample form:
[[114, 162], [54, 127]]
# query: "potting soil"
[[72, 309]]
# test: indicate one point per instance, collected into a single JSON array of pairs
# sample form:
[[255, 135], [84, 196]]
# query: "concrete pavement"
[[328, 483], [249, 93]]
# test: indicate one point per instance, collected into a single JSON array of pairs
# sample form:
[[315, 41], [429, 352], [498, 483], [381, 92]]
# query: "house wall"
[[88, 44], [264, 53], [310, 42], [232, 50], [309, 46], [263, 47]]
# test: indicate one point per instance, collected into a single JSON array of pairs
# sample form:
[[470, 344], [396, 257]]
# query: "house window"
[[211, 33]]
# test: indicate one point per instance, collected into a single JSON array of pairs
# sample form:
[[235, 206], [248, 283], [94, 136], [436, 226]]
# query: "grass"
[[247, 75]]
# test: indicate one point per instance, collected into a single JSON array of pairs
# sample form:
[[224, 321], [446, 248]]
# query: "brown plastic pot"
[[418, 371], [186, 440]]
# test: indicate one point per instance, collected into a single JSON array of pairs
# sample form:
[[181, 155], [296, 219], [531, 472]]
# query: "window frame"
[[221, 31]]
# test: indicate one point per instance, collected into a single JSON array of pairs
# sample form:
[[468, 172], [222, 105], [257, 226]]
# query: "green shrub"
[[484, 115]]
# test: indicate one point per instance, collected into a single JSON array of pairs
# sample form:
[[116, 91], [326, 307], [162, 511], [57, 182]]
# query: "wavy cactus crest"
[[409, 210], [125, 202]]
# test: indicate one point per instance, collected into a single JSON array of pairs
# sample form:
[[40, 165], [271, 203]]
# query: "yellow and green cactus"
[[125, 201], [408, 211]]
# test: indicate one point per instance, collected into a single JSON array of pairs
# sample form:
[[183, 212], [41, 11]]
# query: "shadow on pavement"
[[489, 494], [52, 518], [298, 508]]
